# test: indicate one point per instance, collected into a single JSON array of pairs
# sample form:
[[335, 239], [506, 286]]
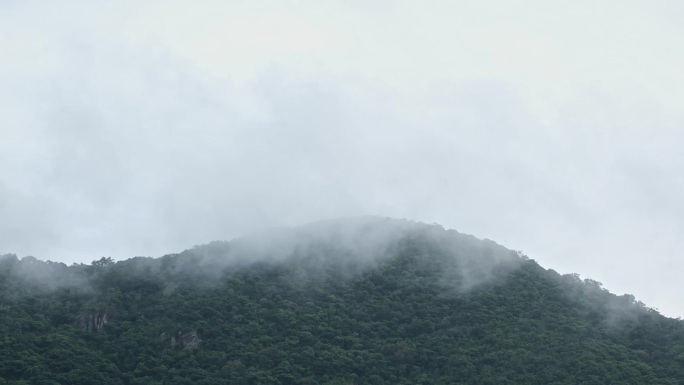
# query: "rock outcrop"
[[189, 340], [93, 322]]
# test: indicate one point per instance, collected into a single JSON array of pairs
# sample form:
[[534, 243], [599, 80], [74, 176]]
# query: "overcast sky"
[[146, 127]]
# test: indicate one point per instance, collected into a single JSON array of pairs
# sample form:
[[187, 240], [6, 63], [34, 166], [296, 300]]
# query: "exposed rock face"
[[189, 340], [93, 322]]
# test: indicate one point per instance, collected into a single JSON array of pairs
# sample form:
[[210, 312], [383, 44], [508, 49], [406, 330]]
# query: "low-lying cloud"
[[139, 133]]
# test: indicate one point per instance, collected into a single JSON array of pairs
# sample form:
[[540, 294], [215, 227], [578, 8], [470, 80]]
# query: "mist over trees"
[[351, 301]]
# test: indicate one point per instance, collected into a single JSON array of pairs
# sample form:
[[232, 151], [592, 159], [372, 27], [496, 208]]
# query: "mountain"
[[350, 301]]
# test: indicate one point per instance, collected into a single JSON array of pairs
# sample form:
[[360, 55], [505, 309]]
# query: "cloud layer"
[[145, 128]]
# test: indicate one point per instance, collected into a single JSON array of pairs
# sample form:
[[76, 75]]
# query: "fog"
[[341, 250], [143, 128], [346, 248]]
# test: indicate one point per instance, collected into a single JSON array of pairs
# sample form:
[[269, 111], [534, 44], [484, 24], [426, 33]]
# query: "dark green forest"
[[355, 301]]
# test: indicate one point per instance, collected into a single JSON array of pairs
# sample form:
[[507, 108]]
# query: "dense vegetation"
[[369, 301]]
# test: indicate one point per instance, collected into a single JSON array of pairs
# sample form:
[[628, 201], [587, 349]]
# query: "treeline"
[[438, 308]]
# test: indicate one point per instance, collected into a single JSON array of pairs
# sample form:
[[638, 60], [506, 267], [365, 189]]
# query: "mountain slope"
[[354, 301]]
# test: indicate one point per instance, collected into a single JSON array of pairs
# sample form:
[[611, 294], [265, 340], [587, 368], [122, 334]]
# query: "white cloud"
[[145, 127]]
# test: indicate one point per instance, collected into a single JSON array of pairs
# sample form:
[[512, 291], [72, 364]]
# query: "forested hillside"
[[355, 301]]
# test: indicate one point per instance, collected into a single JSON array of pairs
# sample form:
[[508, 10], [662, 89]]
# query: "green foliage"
[[438, 308]]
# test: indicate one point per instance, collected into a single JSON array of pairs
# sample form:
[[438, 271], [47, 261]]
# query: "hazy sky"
[[146, 127]]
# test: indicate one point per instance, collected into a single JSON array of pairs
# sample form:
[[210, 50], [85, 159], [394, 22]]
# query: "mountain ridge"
[[366, 300]]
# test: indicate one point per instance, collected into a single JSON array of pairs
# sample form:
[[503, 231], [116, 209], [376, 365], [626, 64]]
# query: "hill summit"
[[350, 301]]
